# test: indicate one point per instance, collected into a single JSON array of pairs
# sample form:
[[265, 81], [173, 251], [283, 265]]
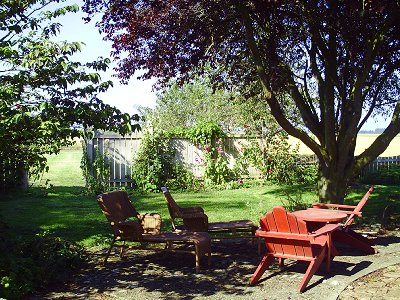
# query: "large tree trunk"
[[24, 184], [332, 185]]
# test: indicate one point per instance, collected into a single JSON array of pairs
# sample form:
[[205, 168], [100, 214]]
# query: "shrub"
[[155, 166], [307, 173], [386, 175], [96, 172], [277, 162], [182, 179], [209, 138], [28, 265]]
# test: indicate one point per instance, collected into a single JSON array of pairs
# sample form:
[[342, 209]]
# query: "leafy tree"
[[192, 103], [46, 98], [336, 62]]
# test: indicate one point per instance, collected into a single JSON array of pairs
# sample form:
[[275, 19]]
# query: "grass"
[[64, 169], [66, 211]]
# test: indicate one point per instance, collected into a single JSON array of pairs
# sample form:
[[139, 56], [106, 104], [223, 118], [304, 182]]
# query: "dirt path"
[[147, 275]]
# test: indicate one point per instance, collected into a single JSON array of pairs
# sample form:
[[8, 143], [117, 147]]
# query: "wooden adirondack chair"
[[194, 219], [287, 237], [129, 225], [345, 234]]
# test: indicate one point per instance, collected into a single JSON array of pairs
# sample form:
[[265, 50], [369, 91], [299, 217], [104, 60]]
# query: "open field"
[[363, 142]]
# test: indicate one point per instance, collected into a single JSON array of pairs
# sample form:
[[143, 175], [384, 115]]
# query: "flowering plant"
[[215, 164]]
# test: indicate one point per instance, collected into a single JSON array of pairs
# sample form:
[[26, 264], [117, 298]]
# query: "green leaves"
[[45, 97]]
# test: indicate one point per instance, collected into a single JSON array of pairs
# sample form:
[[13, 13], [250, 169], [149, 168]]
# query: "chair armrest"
[[191, 210], [328, 228], [319, 205], [128, 229], [196, 222], [284, 235], [151, 222], [342, 208]]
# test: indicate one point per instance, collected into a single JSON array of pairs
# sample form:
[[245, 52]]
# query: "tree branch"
[[276, 109]]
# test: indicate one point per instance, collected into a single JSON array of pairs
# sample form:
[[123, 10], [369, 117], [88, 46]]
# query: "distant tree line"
[[377, 130]]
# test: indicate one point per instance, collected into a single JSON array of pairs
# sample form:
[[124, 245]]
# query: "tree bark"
[[24, 184], [332, 185]]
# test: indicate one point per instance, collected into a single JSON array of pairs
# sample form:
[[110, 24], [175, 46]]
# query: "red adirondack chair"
[[287, 237], [345, 234]]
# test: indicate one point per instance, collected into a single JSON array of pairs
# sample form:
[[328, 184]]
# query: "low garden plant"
[[27, 264]]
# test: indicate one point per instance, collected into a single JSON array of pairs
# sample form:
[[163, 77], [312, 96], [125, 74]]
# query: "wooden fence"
[[121, 151], [379, 163]]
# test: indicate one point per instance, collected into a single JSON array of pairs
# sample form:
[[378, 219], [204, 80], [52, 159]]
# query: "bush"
[[277, 162], [387, 176], [154, 165], [182, 179], [307, 173], [96, 172], [26, 266]]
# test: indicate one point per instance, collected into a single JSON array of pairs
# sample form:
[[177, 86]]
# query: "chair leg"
[[281, 262], [168, 245], [109, 251], [329, 253], [264, 264], [258, 245], [121, 252], [312, 268]]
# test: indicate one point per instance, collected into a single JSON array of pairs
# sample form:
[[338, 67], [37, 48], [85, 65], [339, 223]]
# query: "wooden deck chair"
[[194, 219], [345, 234], [128, 225], [287, 237]]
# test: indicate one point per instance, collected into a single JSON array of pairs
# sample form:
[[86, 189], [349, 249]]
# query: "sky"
[[125, 97], [136, 92]]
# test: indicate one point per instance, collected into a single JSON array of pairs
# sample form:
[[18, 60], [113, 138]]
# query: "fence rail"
[[121, 151]]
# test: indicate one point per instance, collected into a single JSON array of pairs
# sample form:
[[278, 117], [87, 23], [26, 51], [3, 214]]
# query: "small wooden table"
[[320, 215], [317, 217]]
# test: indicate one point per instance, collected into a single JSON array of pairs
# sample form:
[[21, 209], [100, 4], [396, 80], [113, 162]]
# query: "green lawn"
[[64, 169], [67, 212]]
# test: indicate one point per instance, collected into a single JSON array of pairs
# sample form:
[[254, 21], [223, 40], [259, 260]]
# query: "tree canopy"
[[46, 98], [200, 100], [336, 62]]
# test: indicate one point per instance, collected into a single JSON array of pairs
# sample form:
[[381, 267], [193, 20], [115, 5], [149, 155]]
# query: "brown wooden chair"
[[129, 225], [287, 237], [194, 219], [345, 234]]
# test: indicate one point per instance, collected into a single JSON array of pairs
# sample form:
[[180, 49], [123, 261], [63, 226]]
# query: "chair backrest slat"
[[278, 220], [270, 223], [117, 207], [173, 207], [282, 225], [359, 207], [298, 228]]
